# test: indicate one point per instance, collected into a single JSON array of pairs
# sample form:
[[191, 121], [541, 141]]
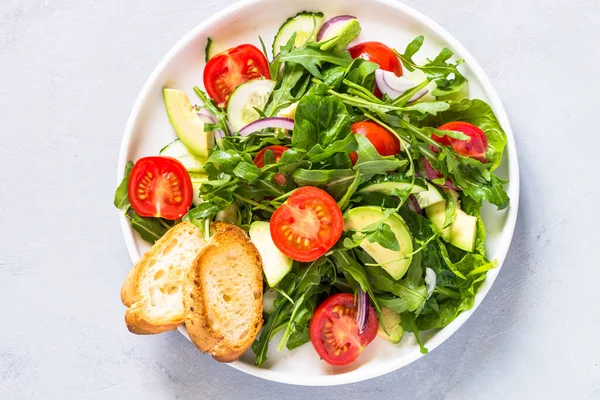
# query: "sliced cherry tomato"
[[385, 142], [307, 225], [160, 187], [378, 53], [475, 147], [226, 71], [334, 331], [277, 151]]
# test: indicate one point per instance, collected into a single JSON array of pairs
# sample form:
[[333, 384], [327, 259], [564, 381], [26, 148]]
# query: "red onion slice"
[[333, 27], [392, 85], [266, 123], [413, 205], [362, 316], [433, 174]]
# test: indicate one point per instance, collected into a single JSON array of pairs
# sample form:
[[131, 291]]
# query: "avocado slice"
[[462, 232], [188, 126], [394, 262], [391, 320]]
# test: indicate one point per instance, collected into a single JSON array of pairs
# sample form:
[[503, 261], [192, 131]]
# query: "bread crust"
[[206, 337]]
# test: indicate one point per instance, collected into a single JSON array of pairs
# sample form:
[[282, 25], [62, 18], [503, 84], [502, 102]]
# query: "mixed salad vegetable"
[[358, 172]]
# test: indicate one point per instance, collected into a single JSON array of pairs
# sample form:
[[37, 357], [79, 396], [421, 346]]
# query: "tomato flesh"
[[160, 187], [379, 53], [307, 225], [475, 147], [334, 332], [385, 142], [277, 151], [226, 71]]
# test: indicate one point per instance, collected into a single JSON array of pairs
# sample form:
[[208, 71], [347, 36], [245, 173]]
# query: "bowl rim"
[[506, 234]]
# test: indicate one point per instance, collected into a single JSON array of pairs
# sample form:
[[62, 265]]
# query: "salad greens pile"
[[330, 91]]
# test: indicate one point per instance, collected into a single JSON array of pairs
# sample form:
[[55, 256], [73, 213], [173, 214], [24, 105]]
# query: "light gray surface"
[[70, 71]]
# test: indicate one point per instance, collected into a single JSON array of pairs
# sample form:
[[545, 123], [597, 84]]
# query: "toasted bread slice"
[[153, 287], [223, 295]]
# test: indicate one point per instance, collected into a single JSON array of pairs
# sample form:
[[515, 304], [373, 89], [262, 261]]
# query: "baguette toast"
[[152, 290], [223, 295]]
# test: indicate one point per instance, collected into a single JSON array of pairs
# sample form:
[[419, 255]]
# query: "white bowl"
[[394, 23]]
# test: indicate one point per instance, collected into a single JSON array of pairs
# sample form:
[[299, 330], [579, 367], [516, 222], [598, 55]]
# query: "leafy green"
[[445, 74], [284, 93], [312, 57], [121, 195], [320, 120], [150, 229]]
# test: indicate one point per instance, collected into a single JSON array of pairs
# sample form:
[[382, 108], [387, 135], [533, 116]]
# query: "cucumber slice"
[[305, 25], [429, 197], [212, 49], [180, 151], [276, 265], [245, 98], [197, 181], [391, 320], [229, 215]]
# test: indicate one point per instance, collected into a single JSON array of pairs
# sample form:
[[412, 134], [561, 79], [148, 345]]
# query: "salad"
[[358, 171]]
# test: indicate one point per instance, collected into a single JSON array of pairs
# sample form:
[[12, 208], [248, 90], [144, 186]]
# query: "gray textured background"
[[70, 71]]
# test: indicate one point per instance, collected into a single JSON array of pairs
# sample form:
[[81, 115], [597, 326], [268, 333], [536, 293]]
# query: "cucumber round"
[[176, 149], [305, 25], [245, 98]]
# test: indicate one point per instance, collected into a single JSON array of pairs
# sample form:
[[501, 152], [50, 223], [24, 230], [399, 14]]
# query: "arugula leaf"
[[413, 296], [445, 74], [312, 57], [150, 229], [345, 262], [333, 181], [479, 113], [121, 200], [362, 73], [282, 95], [409, 325], [371, 163], [385, 237], [247, 171]]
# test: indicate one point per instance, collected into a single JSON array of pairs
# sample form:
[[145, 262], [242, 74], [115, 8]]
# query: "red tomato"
[[378, 53], [226, 71], [277, 151], [385, 142], [160, 187], [475, 147], [307, 225], [334, 331]]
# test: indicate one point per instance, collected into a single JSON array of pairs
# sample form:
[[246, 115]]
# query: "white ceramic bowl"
[[394, 23]]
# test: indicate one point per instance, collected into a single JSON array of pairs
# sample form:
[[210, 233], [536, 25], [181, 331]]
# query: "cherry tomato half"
[[475, 147], [160, 187], [307, 225], [226, 71], [277, 151], [385, 142], [378, 53], [334, 331]]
